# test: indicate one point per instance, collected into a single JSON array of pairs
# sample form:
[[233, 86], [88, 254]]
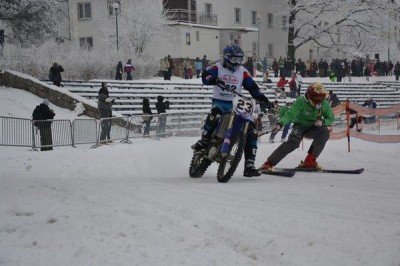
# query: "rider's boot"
[[249, 168], [203, 142]]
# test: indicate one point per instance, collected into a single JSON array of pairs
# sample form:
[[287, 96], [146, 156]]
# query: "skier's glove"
[[318, 123], [276, 128]]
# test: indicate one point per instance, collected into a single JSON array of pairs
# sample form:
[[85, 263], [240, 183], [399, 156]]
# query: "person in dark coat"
[[370, 103], [55, 74], [333, 99], [104, 105], [146, 116], [161, 108], [43, 112], [171, 67], [104, 89], [118, 74]]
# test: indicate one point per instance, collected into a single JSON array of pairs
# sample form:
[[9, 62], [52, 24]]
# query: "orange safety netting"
[[345, 107]]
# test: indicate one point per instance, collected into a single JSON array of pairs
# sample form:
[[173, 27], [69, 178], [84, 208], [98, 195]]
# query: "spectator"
[[198, 65], [161, 108], [275, 68], [281, 85], [281, 64], [43, 112], [118, 74], [273, 114], [293, 86], [264, 64], [355, 119], [204, 62], [333, 99], [249, 65], [146, 116], [164, 66], [128, 69], [397, 70], [104, 105], [186, 68], [299, 81], [370, 103], [332, 76], [55, 74], [390, 68], [367, 73], [321, 68], [104, 89], [280, 113], [171, 67]]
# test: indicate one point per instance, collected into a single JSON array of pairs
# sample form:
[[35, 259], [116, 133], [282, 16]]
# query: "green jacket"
[[282, 110], [303, 113]]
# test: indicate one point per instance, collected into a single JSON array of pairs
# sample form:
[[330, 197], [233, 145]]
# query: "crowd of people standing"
[[337, 68]]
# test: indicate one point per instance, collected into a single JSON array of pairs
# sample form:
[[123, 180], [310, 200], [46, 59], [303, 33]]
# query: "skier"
[[227, 76], [311, 116]]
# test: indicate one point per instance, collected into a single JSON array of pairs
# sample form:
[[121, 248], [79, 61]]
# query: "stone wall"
[[56, 97]]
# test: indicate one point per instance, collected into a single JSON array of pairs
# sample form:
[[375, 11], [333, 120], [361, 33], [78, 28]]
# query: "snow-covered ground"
[[135, 204]]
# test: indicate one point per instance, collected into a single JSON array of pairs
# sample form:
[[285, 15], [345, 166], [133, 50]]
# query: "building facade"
[[197, 27]]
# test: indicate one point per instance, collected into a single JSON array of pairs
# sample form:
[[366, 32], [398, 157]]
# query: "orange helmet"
[[316, 93]]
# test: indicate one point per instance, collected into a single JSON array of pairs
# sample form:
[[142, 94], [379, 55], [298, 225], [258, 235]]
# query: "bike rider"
[[226, 77]]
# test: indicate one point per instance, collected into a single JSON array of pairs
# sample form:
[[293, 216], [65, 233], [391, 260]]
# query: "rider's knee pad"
[[212, 118]]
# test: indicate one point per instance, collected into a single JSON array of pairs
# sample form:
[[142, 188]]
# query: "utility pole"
[[116, 7]]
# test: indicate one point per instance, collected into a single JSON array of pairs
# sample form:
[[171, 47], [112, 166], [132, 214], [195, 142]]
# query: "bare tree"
[[348, 24], [142, 22], [31, 21]]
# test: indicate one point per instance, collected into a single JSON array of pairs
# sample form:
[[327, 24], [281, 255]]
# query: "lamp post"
[[258, 43], [116, 7]]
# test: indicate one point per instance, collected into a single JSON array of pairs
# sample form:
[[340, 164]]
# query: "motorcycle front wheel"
[[198, 165], [229, 163]]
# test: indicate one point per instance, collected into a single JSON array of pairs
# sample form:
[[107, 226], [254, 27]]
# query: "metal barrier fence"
[[51, 133], [16, 132]]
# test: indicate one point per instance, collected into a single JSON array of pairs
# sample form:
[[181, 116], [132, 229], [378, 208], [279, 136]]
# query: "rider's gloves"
[[266, 104], [276, 128], [220, 83]]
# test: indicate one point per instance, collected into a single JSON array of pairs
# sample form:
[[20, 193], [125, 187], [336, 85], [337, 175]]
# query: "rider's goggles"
[[236, 59]]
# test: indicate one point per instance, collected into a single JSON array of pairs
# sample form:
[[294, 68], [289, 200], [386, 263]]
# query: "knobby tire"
[[198, 165], [229, 163]]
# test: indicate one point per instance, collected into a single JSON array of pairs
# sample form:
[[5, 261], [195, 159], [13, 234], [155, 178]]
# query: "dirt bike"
[[227, 142]]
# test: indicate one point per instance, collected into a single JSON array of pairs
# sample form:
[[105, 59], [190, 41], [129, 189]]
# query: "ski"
[[329, 171], [279, 172]]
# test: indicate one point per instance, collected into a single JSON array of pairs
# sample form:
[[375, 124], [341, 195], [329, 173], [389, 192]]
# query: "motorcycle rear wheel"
[[229, 163]]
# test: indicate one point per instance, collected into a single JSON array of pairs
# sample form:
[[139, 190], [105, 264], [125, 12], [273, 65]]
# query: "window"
[[197, 36], [187, 38], [84, 11], [86, 42], [284, 23], [270, 20], [271, 50], [208, 9], [238, 15], [254, 18]]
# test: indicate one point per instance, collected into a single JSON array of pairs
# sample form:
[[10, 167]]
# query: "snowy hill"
[[134, 204]]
